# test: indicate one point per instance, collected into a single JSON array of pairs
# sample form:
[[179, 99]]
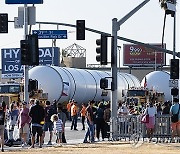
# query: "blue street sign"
[[51, 34], [24, 2], [11, 63]]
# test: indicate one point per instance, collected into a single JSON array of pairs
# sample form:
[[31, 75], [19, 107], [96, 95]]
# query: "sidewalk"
[[72, 137], [75, 138]]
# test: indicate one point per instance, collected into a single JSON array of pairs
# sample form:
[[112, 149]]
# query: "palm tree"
[[163, 3]]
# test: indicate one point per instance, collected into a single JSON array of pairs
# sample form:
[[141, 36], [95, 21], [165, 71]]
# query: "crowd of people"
[[152, 109], [96, 114], [32, 120], [35, 118]]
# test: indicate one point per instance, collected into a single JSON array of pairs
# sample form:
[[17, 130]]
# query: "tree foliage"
[[163, 3]]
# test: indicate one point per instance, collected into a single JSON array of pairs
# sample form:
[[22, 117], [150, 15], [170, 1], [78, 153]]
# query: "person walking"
[[74, 115], [23, 123], [48, 125], [37, 113], [63, 117], [83, 115], [58, 127], [12, 116], [90, 123], [175, 123], [2, 127]]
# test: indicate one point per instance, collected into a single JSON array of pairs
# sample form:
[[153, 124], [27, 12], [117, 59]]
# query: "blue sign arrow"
[[24, 2], [51, 34]]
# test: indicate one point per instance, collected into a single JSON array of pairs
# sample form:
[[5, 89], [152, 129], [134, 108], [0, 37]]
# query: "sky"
[[145, 25]]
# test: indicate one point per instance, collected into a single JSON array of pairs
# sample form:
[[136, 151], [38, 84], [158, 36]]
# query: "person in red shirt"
[[83, 115], [69, 104]]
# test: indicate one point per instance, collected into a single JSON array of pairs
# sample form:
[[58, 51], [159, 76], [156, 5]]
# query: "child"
[[58, 127]]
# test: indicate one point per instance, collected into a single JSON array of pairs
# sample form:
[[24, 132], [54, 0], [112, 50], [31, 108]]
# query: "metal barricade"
[[162, 127], [129, 125]]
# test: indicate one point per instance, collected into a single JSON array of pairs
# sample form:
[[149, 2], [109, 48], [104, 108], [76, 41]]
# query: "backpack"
[[107, 115], [175, 117], [99, 113], [50, 111]]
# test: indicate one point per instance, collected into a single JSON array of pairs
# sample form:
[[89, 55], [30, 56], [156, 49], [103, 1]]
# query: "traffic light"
[[3, 23], [174, 69], [30, 51], [33, 85], [80, 29], [25, 52], [34, 49], [103, 83], [174, 91], [101, 50]]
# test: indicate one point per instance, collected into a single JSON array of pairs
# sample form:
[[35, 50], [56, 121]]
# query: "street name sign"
[[51, 34], [24, 1], [11, 63]]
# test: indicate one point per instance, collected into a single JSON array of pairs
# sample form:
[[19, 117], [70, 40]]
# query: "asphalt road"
[[72, 136]]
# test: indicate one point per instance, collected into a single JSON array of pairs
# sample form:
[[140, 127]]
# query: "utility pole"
[[26, 67], [115, 28]]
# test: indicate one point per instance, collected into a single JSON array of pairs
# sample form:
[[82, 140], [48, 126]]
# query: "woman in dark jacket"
[[100, 123]]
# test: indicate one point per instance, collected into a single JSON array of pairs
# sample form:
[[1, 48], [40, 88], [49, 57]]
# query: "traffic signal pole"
[[26, 67], [114, 102], [174, 59]]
